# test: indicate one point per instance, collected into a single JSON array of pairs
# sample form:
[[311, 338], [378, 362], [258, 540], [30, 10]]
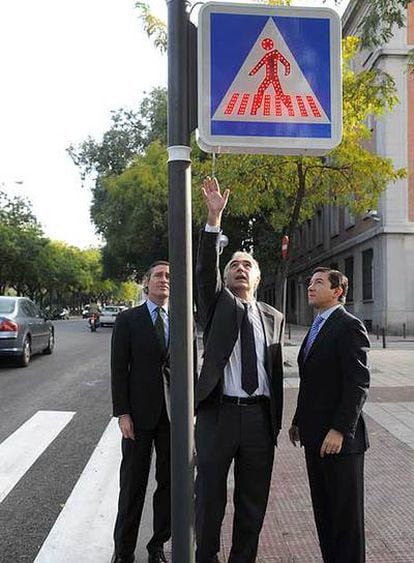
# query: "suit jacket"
[[334, 382], [139, 368], [220, 314]]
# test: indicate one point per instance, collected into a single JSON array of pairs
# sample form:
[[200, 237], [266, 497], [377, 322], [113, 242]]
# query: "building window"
[[367, 274], [334, 220], [319, 228], [292, 296], [309, 237], [301, 240], [349, 272], [349, 218]]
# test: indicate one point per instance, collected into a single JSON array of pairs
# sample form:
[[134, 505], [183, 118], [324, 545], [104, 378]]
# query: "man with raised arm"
[[239, 392]]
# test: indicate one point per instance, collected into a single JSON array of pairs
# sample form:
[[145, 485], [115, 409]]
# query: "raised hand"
[[215, 200]]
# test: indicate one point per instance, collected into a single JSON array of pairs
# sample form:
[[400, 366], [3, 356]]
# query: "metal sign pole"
[[181, 325]]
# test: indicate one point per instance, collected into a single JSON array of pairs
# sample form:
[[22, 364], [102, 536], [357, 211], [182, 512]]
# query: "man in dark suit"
[[140, 377], [334, 381], [238, 393]]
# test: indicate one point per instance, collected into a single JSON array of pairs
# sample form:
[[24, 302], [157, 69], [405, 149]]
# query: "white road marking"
[[83, 531], [22, 448]]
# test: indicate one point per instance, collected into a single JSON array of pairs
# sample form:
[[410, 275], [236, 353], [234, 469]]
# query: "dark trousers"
[[135, 467], [337, 490], [227, 433]]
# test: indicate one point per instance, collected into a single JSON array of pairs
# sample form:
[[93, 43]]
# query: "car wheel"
[[51, 344], [24, 359]]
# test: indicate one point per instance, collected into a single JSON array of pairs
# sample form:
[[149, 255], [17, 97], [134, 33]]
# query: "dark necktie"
[[159, 329], [249, 377]]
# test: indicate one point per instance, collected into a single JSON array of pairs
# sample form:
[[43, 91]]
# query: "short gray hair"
[[247, 256]]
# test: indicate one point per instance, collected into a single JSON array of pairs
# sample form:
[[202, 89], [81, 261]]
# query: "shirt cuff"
[[210, 229]]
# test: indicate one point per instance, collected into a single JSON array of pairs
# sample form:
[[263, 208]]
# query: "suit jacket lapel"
[[146, 325], [302, 349], [268, 329], [323, 333]]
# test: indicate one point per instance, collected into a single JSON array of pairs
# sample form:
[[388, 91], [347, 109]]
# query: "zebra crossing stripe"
[[22, 448], [83, 530]]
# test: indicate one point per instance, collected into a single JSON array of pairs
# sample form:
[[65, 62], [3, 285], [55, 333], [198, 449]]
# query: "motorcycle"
[[93, 322]]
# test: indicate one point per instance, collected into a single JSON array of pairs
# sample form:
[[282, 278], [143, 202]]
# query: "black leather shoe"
[[118, 559], [157, 556]]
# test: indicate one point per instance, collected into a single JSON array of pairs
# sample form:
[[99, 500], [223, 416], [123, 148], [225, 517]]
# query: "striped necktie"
[[313, 333], [159, 329]]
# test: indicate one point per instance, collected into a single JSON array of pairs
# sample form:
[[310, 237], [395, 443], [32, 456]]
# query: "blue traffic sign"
[[269, 79]]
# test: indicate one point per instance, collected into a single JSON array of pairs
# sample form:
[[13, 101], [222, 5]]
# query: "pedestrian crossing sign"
[[269, 79]]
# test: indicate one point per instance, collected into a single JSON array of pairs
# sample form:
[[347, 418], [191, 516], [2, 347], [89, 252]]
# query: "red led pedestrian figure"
[[270, 59]]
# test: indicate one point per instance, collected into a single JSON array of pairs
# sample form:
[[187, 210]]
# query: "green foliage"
[[410, 63], [377, 26], [132, 214], [154, 27], [130, 133], [47, 271]]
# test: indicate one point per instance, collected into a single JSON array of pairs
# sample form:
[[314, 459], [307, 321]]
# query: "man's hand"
[[215, 200], [127, 426], [332, 443], [294, 434]]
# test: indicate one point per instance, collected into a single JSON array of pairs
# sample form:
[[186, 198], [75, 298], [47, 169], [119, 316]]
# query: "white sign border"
[[260, 144]]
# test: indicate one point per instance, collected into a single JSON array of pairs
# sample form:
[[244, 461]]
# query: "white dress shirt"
[[232, 384]]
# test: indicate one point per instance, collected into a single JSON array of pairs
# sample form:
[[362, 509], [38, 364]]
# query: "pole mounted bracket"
[[179, 152]]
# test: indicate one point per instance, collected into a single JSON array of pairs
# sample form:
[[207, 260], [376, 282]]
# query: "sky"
[[64, 66]]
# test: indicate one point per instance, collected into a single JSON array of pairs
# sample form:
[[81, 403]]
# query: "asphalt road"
[[74, 378]]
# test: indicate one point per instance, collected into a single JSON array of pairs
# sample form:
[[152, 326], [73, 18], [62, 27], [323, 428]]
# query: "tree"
[[376, 28], [130, 133], [51, 273], [125, 147], [132, 214], [21, 242]]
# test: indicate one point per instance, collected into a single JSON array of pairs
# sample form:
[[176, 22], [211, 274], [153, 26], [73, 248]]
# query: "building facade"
[[375, 251]]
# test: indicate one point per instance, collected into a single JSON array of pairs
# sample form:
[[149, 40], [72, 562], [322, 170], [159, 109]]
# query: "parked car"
[[24, 330], [109, 313]]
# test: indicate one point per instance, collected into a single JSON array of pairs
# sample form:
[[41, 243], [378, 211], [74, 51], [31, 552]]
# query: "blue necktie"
[[313, 333]]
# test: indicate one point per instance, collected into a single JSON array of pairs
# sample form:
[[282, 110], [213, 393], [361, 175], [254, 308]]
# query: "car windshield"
[[110, 309], [7, 305]]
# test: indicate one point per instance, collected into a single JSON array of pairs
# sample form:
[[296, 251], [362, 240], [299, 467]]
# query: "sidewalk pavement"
[[289, 534]]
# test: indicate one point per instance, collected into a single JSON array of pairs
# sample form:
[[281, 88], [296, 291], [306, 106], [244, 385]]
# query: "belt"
[[243, 401]]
